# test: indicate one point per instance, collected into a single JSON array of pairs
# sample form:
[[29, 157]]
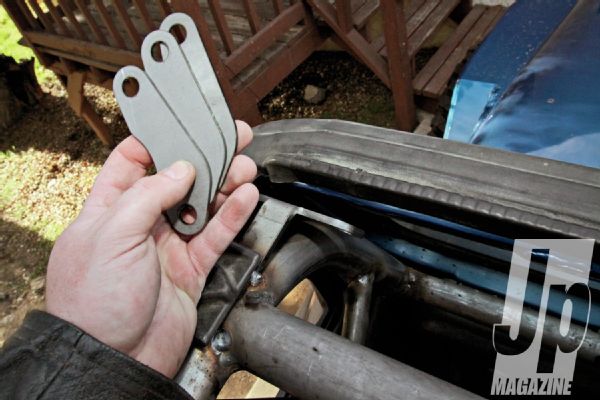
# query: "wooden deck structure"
[[252, 44]]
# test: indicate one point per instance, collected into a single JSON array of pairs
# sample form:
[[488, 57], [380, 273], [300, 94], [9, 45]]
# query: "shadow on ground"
[[53, 126], [23, 258]]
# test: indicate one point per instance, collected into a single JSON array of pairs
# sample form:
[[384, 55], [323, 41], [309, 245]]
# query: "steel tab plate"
[[206, 79], [173, 144], [176, 83]]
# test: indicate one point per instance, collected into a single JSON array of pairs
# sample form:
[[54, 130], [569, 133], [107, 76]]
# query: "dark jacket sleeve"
[[48, 358]]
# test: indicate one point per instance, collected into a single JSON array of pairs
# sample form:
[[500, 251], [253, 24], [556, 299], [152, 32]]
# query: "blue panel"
[[479, 277], [552, 108], [498, 60]]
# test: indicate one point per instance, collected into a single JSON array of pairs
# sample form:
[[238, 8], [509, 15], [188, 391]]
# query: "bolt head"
[[256, 278], [221, 342]]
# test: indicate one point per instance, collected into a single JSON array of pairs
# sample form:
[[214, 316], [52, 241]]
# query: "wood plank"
[[221, 25], [72, 19], [91, 22], [109, 24], [379, 42], [437, 84], [58, 21], [145, 14], [165, 8], [253, 17], [41, 16], [399, 64], [245, 54], [133, 34], [355, 42], [412, 8], [429, 26], [440, 56], [420, 15], [278, 6], [32, 23], [223, 74], [364, 12], [285, 62], [82, 48], [343, 9], [80, 59]]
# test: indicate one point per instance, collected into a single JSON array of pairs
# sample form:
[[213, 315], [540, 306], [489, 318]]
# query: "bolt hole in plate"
[[159, 51], [179, 33], [187, 214], [131, 87], [176, 108]]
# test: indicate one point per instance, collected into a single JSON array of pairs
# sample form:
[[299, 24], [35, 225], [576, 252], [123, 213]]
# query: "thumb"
[[140, 206]]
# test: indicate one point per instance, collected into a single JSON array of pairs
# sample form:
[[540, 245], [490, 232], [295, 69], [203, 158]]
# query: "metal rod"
[[357, 307], [312, 363], [487, 309]]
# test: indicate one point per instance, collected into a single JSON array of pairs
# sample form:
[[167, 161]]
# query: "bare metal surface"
[[464, 183], [312, 363], [272, 218], [206, 80], [198, 376], [356, 311], [165, 149]]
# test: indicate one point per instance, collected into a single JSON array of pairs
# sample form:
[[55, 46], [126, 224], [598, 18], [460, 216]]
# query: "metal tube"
[[356, 312], [312, 363], [487, 309]]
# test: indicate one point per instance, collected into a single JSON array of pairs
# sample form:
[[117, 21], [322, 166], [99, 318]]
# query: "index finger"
[[126, 164]]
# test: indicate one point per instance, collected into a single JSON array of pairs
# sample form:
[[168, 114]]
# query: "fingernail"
[[179, 170]]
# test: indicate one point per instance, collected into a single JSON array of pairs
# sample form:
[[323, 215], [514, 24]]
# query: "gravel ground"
[[48, 162], [50, 157]]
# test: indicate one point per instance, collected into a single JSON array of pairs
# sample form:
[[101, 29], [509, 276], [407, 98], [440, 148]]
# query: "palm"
[[140, 281]]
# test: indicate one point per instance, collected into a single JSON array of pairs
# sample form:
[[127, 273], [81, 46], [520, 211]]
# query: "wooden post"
[[399, 63], [83, 108]]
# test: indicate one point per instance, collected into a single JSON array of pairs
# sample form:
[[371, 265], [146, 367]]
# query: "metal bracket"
[[224, 286], [272, 219]]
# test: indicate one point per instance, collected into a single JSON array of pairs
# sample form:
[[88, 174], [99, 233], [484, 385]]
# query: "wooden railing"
[[97, 37]]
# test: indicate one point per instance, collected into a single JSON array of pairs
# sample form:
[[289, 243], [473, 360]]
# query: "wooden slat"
[[413, 21], [164, 7], [354, 41], [222, 26], [412, 8], [42, 16], [343, 9], [364, 12], [440, 56], [129, 27], [437, 84], [32, 23], [282, 64], [60, 24], [253, 17], [399, 64], [108, 22], [192, 8], [83, 60], [82, 48], [420, 15], [428, 27], [499, 15], [278, 6], [91, 22], [145, 14], [72, 19], [245, 54]]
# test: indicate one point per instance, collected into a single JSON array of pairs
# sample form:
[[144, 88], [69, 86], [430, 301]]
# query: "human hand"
[[119, 271]]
